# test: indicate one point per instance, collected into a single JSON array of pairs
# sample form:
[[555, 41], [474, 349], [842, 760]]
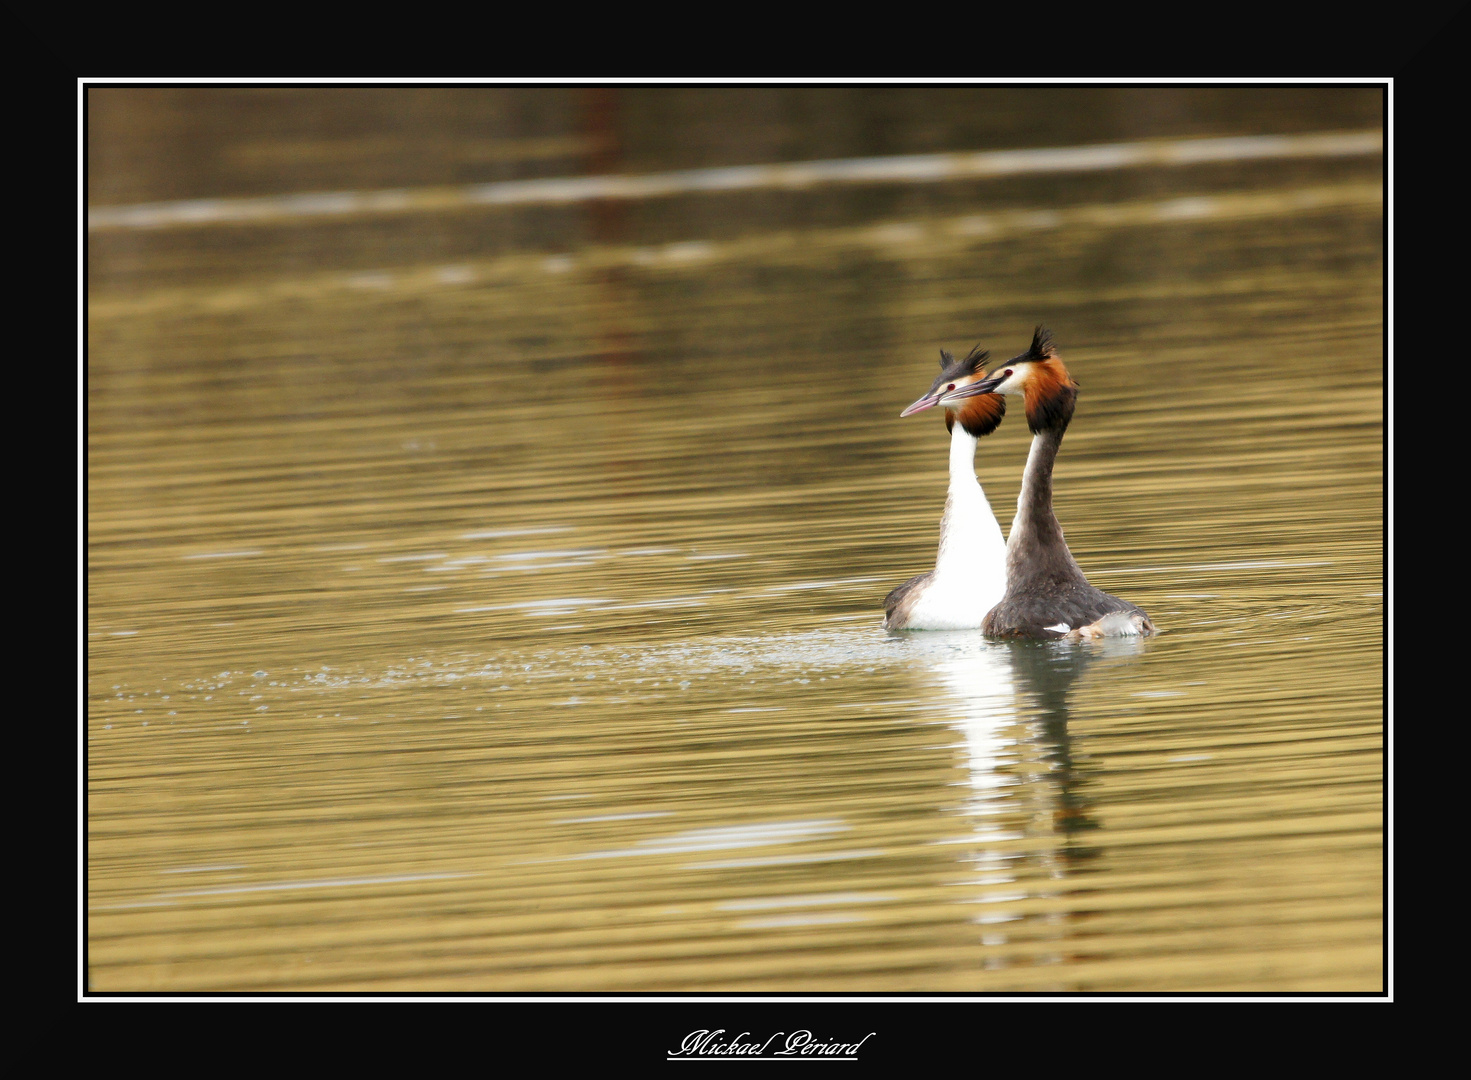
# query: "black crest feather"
[[1042, 346], [975, 359], [952, 369]]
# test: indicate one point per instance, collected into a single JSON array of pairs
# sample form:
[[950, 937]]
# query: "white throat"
[[970, 569]]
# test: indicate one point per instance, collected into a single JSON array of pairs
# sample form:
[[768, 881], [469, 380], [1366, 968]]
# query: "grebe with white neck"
[[970, 570], [1047, 596]]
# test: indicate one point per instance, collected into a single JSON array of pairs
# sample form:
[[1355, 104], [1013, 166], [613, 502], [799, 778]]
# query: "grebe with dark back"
[[1047, 596]]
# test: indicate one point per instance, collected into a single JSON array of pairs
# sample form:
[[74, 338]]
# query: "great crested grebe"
[[970, 570], [1047, 595]]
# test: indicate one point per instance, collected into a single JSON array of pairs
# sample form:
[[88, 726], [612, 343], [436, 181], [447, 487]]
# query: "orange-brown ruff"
[[978, 415], [1047, 596]]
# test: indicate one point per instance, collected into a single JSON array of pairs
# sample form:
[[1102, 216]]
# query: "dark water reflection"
[[492, 603]]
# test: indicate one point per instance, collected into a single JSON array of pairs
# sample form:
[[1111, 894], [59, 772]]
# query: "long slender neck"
[[970, 536], [1034, 517], [962, 456], [1036, 551]]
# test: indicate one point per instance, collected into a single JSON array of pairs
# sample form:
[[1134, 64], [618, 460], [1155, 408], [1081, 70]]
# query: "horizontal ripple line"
[[895, 239], [912, 168]]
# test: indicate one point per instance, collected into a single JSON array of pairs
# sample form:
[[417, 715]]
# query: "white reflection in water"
[[720, 837], [978, 676], [796, 920], [1012, 710]]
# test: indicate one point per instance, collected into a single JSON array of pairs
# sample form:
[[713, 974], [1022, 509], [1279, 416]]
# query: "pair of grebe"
[[1028, 586]]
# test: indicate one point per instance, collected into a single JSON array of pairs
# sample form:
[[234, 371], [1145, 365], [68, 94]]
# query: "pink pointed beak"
[[929, 401]]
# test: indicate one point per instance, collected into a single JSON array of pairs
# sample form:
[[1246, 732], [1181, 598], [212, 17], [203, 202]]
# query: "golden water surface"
[[489, 600]]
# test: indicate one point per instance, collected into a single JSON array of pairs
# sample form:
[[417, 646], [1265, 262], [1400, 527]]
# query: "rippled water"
[[510, 621]]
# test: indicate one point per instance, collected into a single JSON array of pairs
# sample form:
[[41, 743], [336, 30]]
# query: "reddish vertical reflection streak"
[[608, 225], [615, 344]]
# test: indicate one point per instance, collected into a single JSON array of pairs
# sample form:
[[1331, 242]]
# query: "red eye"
[[1008, 372], [950, 387]]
